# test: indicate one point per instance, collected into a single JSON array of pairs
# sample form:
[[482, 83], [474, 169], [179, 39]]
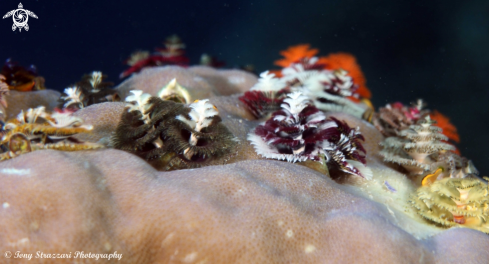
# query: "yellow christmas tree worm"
[[454, 202]]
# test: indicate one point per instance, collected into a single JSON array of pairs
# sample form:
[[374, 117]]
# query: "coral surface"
[[250, 210]]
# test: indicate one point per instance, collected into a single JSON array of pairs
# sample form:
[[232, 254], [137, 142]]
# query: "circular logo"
[[8, 254], [20, 17]]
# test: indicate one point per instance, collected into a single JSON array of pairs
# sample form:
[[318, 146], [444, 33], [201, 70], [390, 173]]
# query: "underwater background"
[[435, 50]]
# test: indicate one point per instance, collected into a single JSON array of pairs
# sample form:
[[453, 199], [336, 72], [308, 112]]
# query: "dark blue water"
[[436, 50]]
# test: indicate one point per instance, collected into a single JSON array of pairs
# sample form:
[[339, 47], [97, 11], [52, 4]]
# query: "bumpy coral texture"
[[22, 101], [201, 82], [226, 82], [151, 80], [249, 211], [104, 118]]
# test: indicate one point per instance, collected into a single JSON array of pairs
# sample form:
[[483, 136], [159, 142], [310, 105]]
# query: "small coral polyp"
[[392, 118], [37, 124], [292, 133], [450, 193], [173, 91], [326, 81], [199, 135], [172, 135], [328, 89], [136, 57], [415, 148], [265, 96], [334, 83], [36, 130], [90, 90], [172, 54], [344, 147], [455, 202], [301, 132]]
